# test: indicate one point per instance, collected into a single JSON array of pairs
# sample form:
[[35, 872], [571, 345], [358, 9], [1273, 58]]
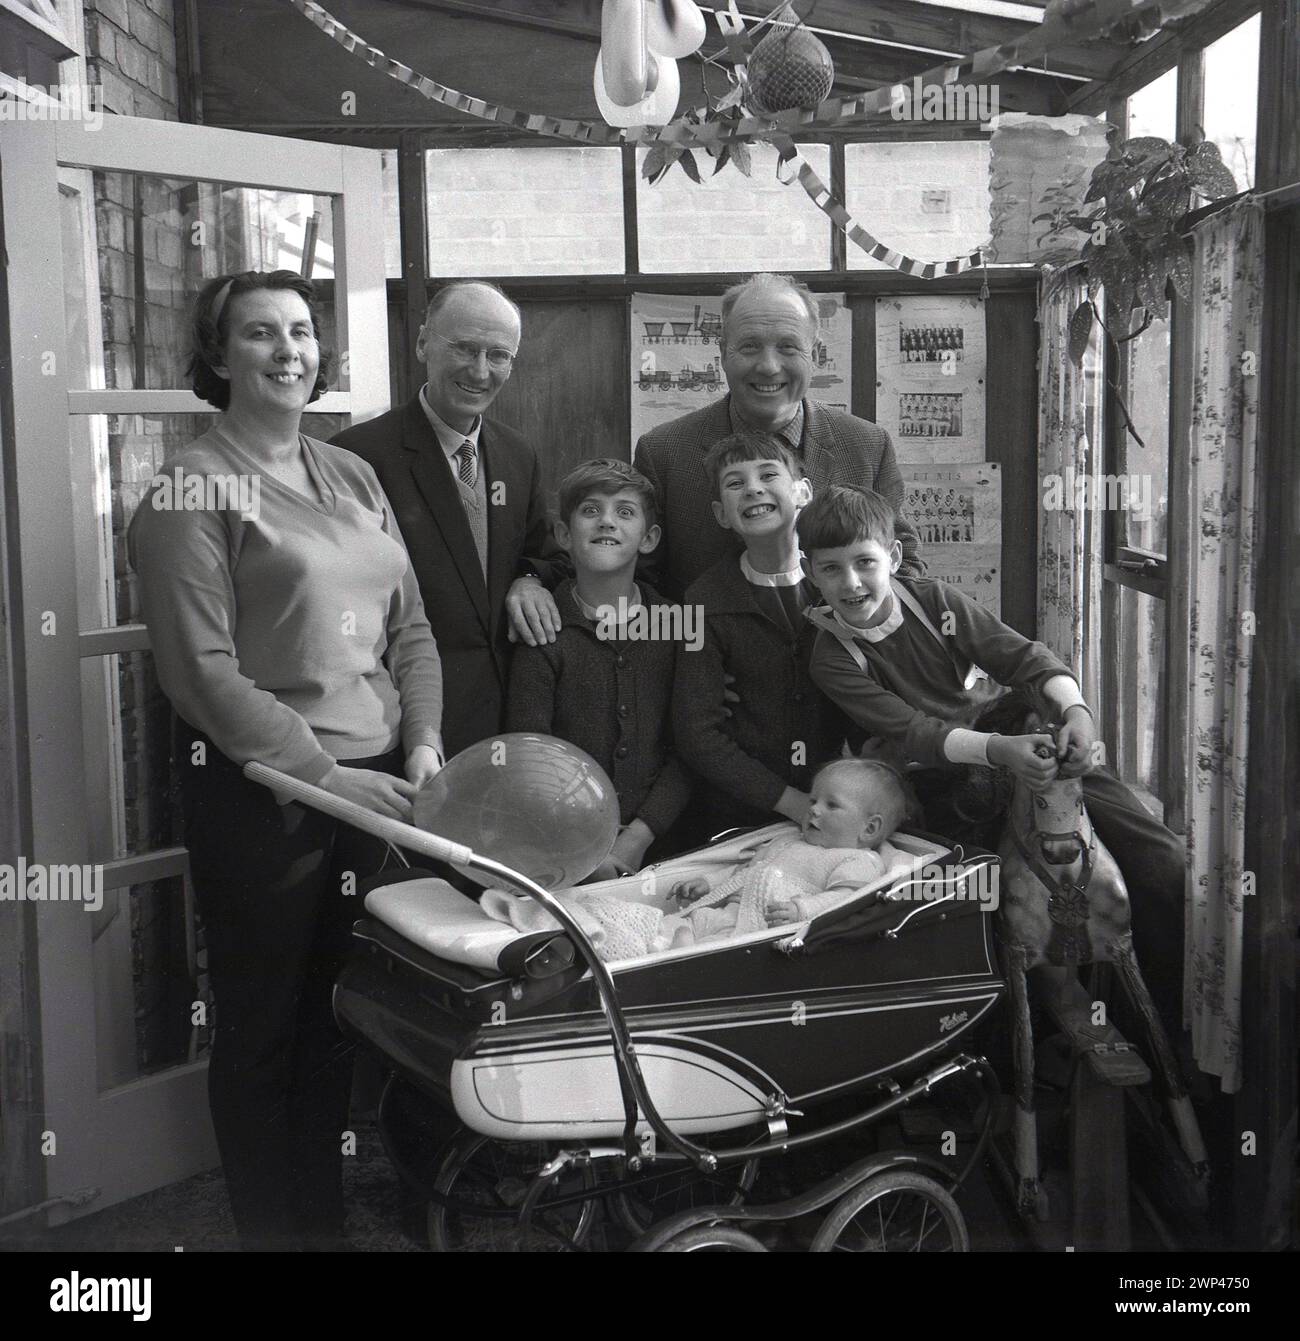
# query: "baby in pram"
[[855, 806]]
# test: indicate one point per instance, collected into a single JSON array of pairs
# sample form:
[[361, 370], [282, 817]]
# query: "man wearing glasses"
[[467, 495]]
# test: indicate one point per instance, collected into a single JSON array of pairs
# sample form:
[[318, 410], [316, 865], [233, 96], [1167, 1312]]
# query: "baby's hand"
[[781, 913], [689, 891]]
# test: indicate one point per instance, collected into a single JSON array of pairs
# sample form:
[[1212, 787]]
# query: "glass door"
[[110, 231]]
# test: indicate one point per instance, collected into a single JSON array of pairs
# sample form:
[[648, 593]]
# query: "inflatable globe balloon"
[[535, 803]]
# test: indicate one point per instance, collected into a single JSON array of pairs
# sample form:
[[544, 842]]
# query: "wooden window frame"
[[1161, 576]]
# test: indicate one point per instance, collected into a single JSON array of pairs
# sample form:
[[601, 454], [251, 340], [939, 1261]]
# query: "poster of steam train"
[[676, 362]]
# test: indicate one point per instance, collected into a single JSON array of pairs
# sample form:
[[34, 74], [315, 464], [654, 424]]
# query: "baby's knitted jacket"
[[791, 870]]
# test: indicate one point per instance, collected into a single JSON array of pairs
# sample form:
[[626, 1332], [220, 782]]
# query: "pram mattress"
[[725, 1031]]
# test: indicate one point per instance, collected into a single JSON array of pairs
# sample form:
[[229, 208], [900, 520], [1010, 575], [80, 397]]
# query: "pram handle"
[[631, 1081], [390, 830]]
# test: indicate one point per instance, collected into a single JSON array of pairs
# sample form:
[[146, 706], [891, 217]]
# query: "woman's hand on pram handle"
[[378, 792]]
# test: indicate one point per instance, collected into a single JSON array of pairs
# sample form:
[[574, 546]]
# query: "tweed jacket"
[[782, 728], [838, 448], [465, 611], [611, 697]]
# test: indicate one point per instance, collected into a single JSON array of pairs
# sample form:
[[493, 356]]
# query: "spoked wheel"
[[894, 1212], [713, 1239], [681, 1188], [496, 1176]]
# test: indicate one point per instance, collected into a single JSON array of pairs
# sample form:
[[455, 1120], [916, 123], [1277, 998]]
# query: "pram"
[[655, 1085]]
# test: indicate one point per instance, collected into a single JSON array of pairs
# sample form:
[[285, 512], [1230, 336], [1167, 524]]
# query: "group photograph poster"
[[930, 357], [957, 513]]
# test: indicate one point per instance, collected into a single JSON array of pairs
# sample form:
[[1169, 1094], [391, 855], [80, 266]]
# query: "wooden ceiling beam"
[[1141, 64], [884, 26]]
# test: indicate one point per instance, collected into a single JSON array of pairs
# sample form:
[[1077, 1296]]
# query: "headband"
[[219, 303]]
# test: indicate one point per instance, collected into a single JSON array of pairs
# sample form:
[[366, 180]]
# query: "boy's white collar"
[[788, 579], [891, 623]]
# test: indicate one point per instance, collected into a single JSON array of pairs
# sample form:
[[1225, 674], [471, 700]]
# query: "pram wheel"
[[496, 1176], [713, 1239], [895, 1212]]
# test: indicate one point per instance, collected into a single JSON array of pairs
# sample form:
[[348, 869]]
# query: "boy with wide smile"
[[757, 759]]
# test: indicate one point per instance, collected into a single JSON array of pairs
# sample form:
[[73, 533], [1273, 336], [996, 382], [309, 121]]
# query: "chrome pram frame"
[[643, 1155]]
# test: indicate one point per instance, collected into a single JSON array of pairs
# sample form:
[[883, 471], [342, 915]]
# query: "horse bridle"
[[1039, 867]]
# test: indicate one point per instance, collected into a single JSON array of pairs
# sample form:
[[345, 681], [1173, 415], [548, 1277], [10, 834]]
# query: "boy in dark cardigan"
[[756, 760], [605, 683]]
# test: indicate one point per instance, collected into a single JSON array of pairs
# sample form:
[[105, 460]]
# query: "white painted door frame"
[[131, 1138]]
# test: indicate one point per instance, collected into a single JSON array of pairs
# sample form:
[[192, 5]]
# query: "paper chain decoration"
[[1064, 20]]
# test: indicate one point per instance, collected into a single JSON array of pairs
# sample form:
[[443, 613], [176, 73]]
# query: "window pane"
[[392, 214], [132, 803], [150, 968], [733, 222], [1141, 494], [929, 201], [1153, 110], [158, 241], [1231, 95], [516, 211], [1139, 746]]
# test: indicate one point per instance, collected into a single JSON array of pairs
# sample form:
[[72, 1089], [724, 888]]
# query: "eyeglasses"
[[467, 352]]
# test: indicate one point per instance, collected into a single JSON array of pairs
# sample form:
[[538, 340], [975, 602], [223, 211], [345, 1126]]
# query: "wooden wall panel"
[[569, 392], [1011, 426], [570, 396]]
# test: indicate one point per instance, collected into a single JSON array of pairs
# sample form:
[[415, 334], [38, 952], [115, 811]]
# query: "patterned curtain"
[[1069, 567], [1226, 303]]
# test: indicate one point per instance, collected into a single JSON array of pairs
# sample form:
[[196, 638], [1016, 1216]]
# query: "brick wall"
[[131, 53], [553, 211], [929, 200], [733, 222], [506, 211]]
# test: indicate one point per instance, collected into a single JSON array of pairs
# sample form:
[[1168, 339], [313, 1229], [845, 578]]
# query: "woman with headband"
[[286, 627]]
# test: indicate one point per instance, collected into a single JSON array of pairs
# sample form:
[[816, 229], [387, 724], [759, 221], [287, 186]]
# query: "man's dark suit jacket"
[[838, 448], [467, 614]]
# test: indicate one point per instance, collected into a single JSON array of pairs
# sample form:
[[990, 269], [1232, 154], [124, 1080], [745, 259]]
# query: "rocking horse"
[[1064, 904]]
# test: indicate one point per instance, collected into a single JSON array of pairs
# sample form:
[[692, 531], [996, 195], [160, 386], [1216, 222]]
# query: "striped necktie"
[[466, 452]]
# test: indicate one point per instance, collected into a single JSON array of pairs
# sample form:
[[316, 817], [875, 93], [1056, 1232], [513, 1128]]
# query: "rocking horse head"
[[1064, 898], [1051, 820]]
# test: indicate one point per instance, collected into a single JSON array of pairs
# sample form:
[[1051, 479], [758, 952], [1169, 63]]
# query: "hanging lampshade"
[[657, 108], [673, 28]]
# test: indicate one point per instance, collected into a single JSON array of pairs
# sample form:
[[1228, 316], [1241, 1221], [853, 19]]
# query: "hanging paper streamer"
[[1066, 24], [1064, 21], [820, 194]]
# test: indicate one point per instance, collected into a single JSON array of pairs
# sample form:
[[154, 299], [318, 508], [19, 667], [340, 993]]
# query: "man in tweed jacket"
[[769, 324]]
